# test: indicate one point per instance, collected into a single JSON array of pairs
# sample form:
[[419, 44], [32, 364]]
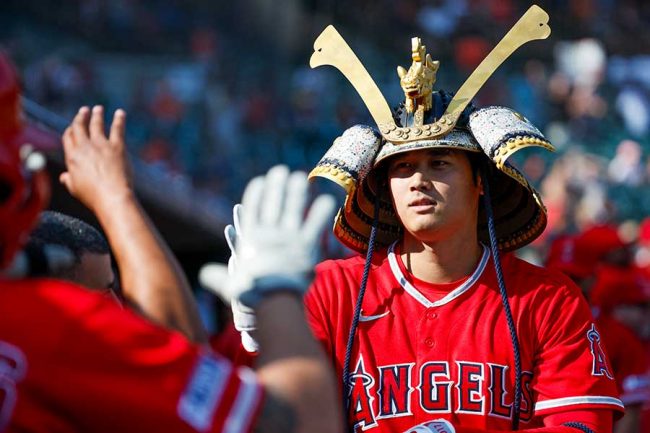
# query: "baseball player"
[[435, 327], [71, 360], [452, 332], [619, 297], [596, 261]]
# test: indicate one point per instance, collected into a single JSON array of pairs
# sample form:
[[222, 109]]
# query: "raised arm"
[[97, 175], [275, 253]]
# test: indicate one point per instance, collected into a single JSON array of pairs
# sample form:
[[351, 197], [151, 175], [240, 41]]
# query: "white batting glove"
[[436, 426], [213, 276], [277, 247]]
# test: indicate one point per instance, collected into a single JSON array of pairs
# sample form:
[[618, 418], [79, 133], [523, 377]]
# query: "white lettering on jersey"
[[395, 390], [361, 399], [13, 367], [204, 391], [480, 388]]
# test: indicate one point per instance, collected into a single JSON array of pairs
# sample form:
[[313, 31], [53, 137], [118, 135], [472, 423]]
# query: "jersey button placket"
[[428, 326]]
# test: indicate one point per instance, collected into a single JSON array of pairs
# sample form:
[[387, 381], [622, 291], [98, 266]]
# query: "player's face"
[[434, 193]]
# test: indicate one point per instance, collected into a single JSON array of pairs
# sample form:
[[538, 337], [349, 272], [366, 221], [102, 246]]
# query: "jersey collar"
[[411, 290]]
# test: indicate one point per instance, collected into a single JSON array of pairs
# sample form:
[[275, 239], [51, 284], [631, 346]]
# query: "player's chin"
[[424, 228]]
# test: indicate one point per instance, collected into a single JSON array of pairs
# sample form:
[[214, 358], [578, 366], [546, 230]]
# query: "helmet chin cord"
[[487, 202], [347, 387]]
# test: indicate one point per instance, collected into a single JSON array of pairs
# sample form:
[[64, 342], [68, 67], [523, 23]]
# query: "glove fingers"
[[274, 195], [320, 214], [251, 201], [230, 232], [232, 265], [214, 277], [236, 219], [243, 317], [249, 343], [294, 209]]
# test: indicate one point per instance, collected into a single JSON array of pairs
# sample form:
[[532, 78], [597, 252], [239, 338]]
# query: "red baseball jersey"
[[425, 351], [72, 360]]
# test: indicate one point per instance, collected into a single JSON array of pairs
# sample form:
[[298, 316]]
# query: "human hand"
[[214, 276], [275, 246], [97, 166]]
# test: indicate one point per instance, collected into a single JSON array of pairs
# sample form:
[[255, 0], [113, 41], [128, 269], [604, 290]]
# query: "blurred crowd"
[[212, 104]]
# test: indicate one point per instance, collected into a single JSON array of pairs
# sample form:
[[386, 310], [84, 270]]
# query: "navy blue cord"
[[357, 309], [516, 405]]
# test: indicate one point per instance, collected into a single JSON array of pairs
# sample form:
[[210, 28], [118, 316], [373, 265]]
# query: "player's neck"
[[442, 261]]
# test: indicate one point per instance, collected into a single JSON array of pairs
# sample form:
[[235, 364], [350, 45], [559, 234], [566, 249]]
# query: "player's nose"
[[419, 181]]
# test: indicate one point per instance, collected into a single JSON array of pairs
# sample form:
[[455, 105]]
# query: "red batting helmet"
[[24, 184]]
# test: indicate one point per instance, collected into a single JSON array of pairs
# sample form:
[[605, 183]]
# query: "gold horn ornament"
[[331, 49]]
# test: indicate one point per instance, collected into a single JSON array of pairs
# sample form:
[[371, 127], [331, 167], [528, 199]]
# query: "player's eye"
[[400, 165], [439, 163]]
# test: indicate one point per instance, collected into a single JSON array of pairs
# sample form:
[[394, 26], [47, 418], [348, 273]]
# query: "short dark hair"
[[55, 228]]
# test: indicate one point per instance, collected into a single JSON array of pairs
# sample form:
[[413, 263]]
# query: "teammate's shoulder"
[[50, 295], [49, 285]]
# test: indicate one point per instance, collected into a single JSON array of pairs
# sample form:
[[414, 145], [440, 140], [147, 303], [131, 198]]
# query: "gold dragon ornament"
[[417, 83]]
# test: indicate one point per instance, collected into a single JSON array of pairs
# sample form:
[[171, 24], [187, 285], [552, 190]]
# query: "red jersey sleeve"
[[317, 301], [572, 370], [91, 366]]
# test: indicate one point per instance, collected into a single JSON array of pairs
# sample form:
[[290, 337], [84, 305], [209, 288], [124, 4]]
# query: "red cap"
[[616, 286], [595, 243], [563, 256]]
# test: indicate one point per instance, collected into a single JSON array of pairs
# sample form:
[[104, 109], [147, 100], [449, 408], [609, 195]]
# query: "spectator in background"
[[620, 298], [599, 262], [627, 165], [642, 252]]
